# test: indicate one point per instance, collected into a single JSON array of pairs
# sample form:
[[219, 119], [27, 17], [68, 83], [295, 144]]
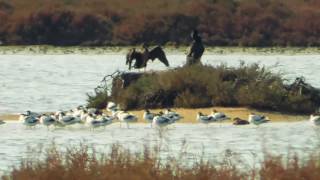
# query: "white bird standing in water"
[[257, 119], [125, 117], [83, 116], [68, 119], [219, 116], [205, 119], [105, 120], [92, 121], [28, 113], [77, 111], [315, 119], [173, 116], [148, 116], [30, 121], [47, 120], [161, 120]]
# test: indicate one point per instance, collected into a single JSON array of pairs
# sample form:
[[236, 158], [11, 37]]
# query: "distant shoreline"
[[190, 114], [100, 50]]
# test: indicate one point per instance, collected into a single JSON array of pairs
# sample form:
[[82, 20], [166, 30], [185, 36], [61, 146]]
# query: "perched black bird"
[[196, 49]]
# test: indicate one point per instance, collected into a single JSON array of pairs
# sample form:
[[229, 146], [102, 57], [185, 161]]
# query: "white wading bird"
[[127, 118], [315, 119], [205, 119], [77, 111], [92, 122], [173, 116], [257, 119], [161, 120], [124, 117], [219, 116], [30, 121], [47, 120], [23, 116], [68, 119], [105, 120], [148, 116]]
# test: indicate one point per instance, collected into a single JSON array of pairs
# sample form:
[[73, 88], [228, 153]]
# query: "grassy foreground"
[[84, 163]]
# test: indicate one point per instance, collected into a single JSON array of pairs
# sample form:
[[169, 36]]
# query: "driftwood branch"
[[106, 82]]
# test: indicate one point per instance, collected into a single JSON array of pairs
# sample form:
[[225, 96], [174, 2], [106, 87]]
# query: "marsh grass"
[[83, 162]]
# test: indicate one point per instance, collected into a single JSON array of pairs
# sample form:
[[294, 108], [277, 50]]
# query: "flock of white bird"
[[94, 118]]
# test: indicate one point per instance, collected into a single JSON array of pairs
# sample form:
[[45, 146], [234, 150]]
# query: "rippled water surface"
[[246, 143], [52, 82]]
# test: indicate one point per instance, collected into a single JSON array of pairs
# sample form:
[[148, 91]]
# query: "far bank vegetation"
[[132, 22]]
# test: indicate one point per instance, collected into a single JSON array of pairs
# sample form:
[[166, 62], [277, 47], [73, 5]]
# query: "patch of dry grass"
[[84, 163]]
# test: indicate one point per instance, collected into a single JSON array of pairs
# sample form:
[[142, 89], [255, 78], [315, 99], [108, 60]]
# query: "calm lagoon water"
[[247, 143], [51, 82], [43, 82]]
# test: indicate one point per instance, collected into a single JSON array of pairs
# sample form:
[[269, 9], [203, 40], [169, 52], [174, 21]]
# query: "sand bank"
[[190, 114]]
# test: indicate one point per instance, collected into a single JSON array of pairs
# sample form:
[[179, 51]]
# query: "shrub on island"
[[252, 86]]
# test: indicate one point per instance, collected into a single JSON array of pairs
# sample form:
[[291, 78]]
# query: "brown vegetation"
[[84, 163], [206, 86], [113, 22]]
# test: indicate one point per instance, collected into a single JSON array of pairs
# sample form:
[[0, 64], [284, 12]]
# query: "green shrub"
[[99, 99], [203, 86]]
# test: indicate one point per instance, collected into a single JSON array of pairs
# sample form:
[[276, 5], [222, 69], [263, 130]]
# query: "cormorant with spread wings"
[[142, 58]]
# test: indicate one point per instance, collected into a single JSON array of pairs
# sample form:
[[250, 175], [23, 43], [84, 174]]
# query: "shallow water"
[[246, 143], [52, 82]]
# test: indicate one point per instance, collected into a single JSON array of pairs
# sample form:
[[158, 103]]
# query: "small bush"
[[99, 99], [274, 168]]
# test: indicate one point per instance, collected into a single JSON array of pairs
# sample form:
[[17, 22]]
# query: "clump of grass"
[[253, 86], [84, 163], [294, 169]]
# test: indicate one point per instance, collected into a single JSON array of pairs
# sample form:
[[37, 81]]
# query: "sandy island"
[[190, 114]]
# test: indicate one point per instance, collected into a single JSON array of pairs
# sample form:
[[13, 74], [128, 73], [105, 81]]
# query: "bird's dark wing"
[[158, 52]]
